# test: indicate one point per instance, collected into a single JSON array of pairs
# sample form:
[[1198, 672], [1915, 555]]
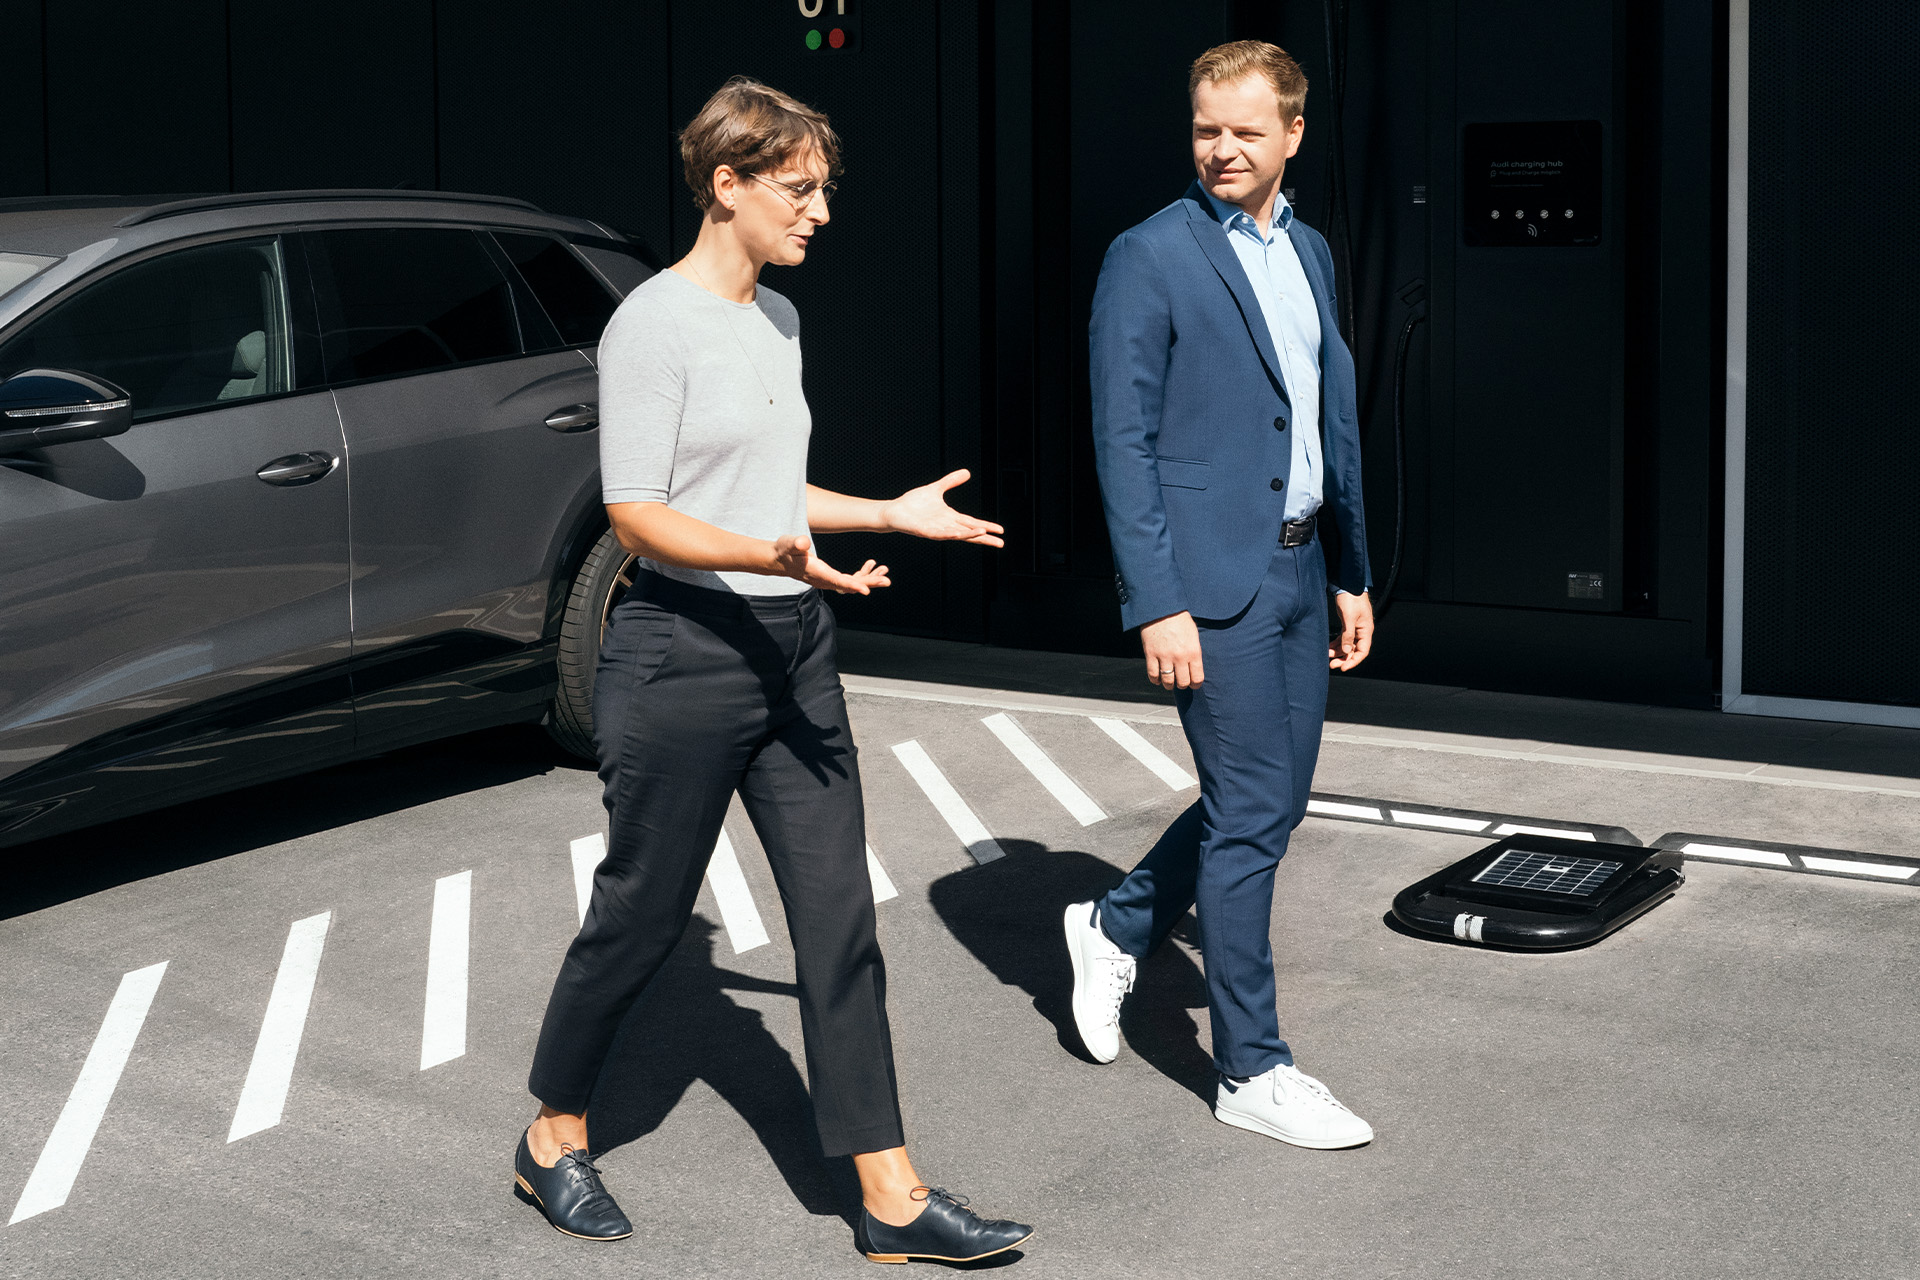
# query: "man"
[[1229, 458]]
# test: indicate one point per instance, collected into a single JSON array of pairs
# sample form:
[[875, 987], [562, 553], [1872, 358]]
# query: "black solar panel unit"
[[1540, 893]]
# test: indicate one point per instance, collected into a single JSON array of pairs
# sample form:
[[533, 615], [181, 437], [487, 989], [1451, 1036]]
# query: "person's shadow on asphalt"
[[1007, 913], [687, 1028]]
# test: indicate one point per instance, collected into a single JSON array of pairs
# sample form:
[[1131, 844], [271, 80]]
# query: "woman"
[[717, 675]]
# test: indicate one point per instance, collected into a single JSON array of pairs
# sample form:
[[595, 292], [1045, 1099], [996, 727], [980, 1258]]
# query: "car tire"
[[598, 587]]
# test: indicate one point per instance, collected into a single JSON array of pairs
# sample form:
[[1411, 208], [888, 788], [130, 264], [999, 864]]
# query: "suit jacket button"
[[1279, 424], [1276, 484]]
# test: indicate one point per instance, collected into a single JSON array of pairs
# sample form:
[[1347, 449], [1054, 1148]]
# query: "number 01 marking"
[[813, 10]]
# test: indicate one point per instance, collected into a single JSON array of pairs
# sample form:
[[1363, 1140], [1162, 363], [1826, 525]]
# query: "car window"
[[406, 300], [185, 330], [624, 266], [577, 303]]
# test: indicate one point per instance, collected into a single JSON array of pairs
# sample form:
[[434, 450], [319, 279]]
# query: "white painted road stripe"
[[973, 833], [1853, 868], [587, 853], [72, 1136], [882, 883], [1334, 808], [264, 1095], [1443, 820], [443, 1029], [1770, 857], [1045, 771], [1146, 753], [1521, 829], [730, 890]]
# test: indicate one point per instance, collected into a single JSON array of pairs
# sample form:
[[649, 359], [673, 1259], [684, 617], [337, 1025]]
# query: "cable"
[[1414, 317]]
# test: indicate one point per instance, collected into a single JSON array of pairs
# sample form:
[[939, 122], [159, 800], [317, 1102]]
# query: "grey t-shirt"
[[701, 408]]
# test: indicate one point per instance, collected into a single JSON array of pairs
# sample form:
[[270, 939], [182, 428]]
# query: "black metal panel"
[[332, 93], [23, 142], [1833, 453], [137, 96], [564, 104], [1536, 455]]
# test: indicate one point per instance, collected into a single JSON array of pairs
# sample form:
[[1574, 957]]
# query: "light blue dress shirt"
[[1293, 322]]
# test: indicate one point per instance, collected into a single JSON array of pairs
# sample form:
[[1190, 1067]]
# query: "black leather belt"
[[1298, 533]]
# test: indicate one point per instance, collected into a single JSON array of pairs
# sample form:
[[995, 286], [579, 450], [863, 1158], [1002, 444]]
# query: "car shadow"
[[1008, 914], [61, 868], [687, 1028]]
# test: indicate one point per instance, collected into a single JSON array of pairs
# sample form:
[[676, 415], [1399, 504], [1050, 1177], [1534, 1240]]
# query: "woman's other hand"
[[796, 560], [924, 513]]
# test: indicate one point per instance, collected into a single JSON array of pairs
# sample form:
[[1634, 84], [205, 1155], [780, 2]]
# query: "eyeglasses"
[[801, 195]]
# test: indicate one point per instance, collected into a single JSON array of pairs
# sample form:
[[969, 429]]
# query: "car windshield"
[[18, 268]]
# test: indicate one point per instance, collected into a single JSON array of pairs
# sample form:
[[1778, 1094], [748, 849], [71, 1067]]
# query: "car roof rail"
[[197, 204]]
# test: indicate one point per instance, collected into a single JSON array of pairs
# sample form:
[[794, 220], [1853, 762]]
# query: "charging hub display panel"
[[1531, 183], [1540, 893]]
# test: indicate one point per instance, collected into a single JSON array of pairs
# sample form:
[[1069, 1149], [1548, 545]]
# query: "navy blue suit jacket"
[[1187, 393]]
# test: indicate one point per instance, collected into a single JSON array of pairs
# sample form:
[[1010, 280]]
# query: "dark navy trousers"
[[1254, 724]]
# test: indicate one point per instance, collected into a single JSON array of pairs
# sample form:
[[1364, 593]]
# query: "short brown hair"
[[1226, 63], [750, 128]]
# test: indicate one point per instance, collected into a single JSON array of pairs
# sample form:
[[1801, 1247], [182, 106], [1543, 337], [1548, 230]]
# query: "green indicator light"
[[813, 38]]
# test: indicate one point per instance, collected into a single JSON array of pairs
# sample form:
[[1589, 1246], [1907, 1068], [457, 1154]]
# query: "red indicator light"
[[836, 37]]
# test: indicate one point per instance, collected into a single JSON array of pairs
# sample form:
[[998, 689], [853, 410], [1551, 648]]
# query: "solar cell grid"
[[1548, 873]]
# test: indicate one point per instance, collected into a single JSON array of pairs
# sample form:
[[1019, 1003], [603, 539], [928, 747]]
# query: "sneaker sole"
[[556, 1226], [1251, 1125], [1079, 980], [938, 1257]]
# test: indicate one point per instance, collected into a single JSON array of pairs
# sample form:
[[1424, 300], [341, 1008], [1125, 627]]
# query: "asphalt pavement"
[[286, 1032]]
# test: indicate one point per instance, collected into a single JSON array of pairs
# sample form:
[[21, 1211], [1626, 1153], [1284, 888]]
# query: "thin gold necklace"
[[751, 362]]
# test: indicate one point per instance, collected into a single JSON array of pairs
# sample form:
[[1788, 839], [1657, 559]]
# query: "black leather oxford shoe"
[[945, 1231], [570, 1195]]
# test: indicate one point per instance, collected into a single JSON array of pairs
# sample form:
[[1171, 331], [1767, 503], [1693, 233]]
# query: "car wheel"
[[598, 587]]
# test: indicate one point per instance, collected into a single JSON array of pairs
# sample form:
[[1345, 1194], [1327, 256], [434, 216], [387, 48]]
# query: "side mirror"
[[39, 407]]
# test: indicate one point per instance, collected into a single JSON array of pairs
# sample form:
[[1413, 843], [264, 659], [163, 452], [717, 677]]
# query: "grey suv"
[[287, 479]]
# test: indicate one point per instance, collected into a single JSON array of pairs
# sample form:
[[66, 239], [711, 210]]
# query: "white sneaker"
[[1288, 1104], [1102, 976]]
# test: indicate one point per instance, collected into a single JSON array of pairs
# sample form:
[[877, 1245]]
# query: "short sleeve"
[[643, 392]]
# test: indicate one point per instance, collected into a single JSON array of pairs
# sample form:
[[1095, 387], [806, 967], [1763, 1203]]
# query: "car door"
[[174, 600], [469, 419]]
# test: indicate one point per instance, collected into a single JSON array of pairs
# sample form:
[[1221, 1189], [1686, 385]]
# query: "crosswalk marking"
[[1146, 753], [264, 1096], [1414, 818], [587, 853], [973, 833], [737, 911], [1045, 771], [443, 1028], [60, 1160], [882, 883]]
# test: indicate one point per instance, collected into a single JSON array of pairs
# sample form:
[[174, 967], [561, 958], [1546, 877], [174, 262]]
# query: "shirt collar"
[[1231, 215]]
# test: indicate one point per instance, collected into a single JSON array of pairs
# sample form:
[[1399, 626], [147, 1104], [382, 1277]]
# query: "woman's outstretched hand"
[[924, 513], [796, 560]]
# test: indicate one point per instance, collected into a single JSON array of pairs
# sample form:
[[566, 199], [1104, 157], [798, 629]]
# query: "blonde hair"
[[751, 128], [1226, 63]]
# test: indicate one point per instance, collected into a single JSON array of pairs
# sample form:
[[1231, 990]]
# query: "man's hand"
[[924, 513], [1172, 645], [794, 558], [1350, 648]]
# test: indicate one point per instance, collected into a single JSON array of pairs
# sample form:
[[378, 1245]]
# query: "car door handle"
[[575, 417], [298, 468]]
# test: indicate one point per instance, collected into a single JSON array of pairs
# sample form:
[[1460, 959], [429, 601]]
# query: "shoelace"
[[1120, 974], [1317, 1089], [584, 1168], [958, 1202]]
